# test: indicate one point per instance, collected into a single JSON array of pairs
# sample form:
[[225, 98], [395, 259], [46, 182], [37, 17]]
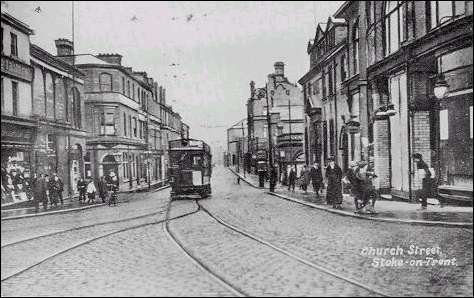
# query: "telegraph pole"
[[291, 145], [243, 146], [270, 145]]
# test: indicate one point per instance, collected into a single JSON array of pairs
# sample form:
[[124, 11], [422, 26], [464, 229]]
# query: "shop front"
[[17, 160]]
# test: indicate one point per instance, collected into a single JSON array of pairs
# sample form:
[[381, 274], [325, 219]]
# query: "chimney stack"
[[279, 68], [115, 59], [64, 47]]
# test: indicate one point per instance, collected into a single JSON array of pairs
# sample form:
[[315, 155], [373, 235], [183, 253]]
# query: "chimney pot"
[[279, 68], [115, 59]]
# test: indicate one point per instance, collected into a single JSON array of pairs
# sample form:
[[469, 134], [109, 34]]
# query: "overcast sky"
[[219, 49]]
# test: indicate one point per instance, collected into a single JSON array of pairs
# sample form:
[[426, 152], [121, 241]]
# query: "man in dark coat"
[[39, 187], [55, 190], [425, 191], [81, 188], [355, 184], [291, 179], [334, 180], [102, 185], [316, 178]]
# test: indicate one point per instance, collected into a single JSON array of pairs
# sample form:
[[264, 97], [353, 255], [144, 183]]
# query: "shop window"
[[443, 125]]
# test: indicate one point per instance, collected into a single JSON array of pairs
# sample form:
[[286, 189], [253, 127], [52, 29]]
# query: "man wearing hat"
[[424, 192], [355, 183], [334, 180], [316, 178]]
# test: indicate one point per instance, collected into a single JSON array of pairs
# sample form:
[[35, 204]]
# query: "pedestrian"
[[334, 181], [91, 190], [113, 186], [81, 188], [102, 188], [291, 179], [39, 187], [305, 178], [55, 187], [316, 178], [365, 175], [425, 174], [355, 184]]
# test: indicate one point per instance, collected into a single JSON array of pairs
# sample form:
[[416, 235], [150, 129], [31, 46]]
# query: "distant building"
[[287, 129], [237, 144]]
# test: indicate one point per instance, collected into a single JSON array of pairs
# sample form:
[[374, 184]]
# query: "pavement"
[[387, 210], [70, 204]]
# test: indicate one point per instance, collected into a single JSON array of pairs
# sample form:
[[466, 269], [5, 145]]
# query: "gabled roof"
[[320, 29]]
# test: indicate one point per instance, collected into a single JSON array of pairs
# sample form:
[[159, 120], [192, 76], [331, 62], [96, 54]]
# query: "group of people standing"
[[87, 188], [334, 178], [44, 188]]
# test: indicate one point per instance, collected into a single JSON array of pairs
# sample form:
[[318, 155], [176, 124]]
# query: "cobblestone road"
[[336, 241], [138, 262]]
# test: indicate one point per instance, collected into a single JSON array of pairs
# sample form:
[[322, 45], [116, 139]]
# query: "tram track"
[[90, 240], [291, 255], [221, 280], [161, 211]]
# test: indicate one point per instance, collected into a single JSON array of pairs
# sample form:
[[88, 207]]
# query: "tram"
[[190, 168]]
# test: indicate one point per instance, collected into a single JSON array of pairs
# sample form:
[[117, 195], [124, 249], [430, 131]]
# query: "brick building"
[[42, 103], [393, 54]]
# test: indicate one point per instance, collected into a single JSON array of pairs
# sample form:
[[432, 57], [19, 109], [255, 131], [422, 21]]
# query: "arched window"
[[76, 108], [355, 47], [395, 25], [105, 82]]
